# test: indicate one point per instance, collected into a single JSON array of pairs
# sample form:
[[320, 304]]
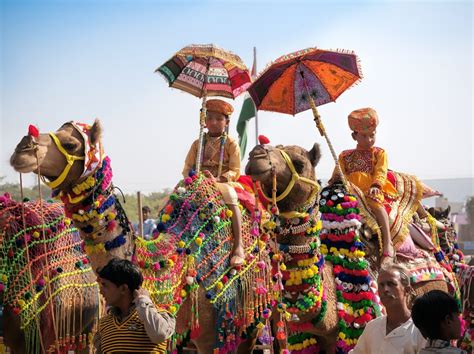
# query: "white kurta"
[[405, 339]]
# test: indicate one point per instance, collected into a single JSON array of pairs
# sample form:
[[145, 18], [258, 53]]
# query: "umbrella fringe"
[[338, 50]]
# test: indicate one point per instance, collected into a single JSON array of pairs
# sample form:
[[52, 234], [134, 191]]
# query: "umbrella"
[[305, 79], [206, 70]]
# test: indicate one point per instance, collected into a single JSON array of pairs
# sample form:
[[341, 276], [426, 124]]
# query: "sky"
[[81, 60]]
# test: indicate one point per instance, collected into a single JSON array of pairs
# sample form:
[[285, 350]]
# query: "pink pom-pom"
[[188, 180], [111, 225], [41, 282]]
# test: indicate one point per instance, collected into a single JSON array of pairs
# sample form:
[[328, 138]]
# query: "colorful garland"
[[357, 302]]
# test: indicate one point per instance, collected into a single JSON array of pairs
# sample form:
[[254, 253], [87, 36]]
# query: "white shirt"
[[405, 339]]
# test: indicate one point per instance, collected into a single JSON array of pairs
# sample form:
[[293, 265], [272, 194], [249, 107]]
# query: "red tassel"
[[33, 131], [263, 139], [195, 332]]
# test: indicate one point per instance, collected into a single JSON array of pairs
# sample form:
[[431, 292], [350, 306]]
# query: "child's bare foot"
[[388, 256], [238, 257]]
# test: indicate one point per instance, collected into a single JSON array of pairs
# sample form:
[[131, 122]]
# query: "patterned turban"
[[219, 106], [363, 120]]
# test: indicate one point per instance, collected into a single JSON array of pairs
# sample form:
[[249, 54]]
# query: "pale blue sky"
[[77, 60]]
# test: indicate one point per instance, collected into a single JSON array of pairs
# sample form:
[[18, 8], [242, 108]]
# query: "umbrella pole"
[[202, 124], [322, 131]]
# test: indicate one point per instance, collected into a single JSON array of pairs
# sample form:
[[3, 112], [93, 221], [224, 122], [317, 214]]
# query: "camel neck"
[[98, 215]]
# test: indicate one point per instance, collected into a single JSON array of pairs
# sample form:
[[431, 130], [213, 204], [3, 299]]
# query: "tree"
[[28, 192]]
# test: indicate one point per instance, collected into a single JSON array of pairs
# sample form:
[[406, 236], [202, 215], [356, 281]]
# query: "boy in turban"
[[221, 157], [366, 167]]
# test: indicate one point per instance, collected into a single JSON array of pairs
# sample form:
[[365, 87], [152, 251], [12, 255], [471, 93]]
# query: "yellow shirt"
[[367, 168], [128, 336], [210, 162]]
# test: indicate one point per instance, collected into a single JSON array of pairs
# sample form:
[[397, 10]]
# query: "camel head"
[[62, 157], [287, 164]]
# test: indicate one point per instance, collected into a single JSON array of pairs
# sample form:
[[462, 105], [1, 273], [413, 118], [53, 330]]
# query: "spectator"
[[436, 314], [147, 327], [395, 332]]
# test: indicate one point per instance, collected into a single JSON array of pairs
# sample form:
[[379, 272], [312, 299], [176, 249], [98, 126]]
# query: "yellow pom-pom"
[[97, 204], [260, 325], [21, 303], [36, 234], [111, 216], [229, 213], [198, 241], [190, 258], [170, 262], [261, 244], [4, 278], [181, 244], [202, 216], [183, 293], [165, 217], [67, 221], [172, 309], [219, 285], [283, 266]]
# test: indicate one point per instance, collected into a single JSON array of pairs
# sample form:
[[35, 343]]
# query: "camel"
[[49, 291], [264, 163], [71, 161]]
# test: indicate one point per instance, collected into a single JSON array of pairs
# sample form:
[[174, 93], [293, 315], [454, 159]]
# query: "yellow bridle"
[[295, 177], [70, 161]]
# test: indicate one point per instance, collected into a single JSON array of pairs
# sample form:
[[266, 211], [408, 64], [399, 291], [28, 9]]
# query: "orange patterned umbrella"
[[284, 85], [305, 79]]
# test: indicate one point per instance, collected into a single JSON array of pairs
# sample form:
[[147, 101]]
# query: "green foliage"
[[28, 192]]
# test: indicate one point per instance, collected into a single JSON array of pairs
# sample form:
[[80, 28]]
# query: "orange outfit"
[[366, 169]]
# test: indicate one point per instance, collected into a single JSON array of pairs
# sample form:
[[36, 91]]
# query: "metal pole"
[[140, 214], [254, 73]]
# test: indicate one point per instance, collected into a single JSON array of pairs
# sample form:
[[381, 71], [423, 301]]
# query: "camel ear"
[[96, 132], [431, 211], [446, 212], [315, 154]]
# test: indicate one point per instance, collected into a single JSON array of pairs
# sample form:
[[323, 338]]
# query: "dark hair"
[[146, 209], [430, 309], [122, 271]]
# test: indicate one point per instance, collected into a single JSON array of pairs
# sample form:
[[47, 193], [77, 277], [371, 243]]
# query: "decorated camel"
[[48, 290], [186, 264], [345, 283]]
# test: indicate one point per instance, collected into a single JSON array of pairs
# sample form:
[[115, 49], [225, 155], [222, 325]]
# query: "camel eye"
[[299, 165], [69, 146]]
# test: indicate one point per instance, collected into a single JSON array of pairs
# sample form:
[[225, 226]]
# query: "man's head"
[[217, 117], [394, 286], [436, 314], [146, 212], [118, 280]]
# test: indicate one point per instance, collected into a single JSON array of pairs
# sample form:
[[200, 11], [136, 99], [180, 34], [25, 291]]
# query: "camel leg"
[[207, 321]]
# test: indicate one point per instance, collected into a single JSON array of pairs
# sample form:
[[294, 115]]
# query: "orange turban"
[[363, 120], [219, 106]]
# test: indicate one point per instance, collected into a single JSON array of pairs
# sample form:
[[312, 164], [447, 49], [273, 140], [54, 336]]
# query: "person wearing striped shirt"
[[133, 323]]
